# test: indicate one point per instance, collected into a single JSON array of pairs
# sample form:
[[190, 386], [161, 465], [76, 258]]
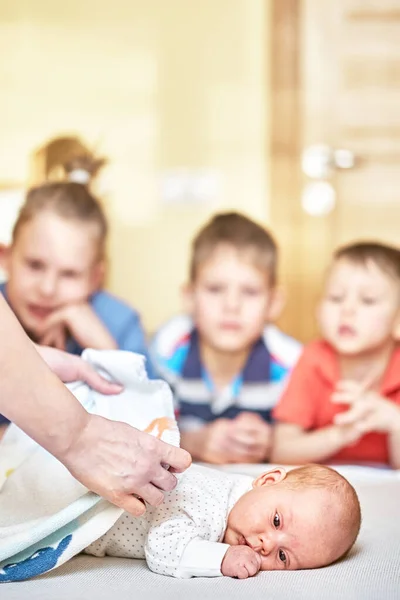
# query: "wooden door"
[[335, 81]]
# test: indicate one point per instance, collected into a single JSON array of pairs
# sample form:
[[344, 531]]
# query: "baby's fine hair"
[[322, 477], [240, 232], [386, 257], [68, 200]]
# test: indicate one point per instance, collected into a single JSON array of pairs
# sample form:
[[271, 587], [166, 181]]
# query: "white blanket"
[[46, 516]]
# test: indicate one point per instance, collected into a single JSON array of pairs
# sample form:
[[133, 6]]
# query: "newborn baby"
[[217, 523]]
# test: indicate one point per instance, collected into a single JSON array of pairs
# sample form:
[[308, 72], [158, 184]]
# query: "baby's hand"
[[241, 562]]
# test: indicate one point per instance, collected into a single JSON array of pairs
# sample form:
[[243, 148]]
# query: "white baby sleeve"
[[186, 530], [202, 558], [175, 547]]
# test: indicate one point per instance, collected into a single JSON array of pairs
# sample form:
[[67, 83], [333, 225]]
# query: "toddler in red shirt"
[[342, 402]]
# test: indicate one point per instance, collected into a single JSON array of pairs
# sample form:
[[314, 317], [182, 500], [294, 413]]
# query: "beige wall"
[[157, 85]]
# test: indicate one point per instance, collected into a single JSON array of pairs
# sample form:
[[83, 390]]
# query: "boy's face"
[[290, 529], [360, 310], [230, 300], [53, 262]]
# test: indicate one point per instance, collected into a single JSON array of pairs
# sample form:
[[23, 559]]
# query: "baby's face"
[[290, 529]]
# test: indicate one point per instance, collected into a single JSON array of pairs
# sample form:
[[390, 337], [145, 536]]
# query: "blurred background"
[[287, 110]]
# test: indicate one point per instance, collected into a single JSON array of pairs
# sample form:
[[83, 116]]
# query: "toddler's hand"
[[368, 411], [55, 337], [348, 434], [246, 439], [241, 562], [82, 323], [348, 392], [252, 437], [215, 444]]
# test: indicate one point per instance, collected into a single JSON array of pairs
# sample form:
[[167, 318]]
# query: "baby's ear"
[[276, 475], [278, 301]]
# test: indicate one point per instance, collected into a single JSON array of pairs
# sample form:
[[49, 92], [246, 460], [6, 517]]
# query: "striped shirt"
[[176, 354]]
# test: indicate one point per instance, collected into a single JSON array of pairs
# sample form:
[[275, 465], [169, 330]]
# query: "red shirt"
[[306, 400]]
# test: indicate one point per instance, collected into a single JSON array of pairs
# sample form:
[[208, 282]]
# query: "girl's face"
[[52, 263]]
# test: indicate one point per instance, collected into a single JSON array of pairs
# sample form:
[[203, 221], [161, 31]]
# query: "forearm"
[[31, 395], [305, 447]]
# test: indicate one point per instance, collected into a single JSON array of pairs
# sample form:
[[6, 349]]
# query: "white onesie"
[[183, 536]]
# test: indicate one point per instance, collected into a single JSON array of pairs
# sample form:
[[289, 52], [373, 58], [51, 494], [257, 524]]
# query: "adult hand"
[[116, 461], [241, 562], [69, 367], [81, 322]]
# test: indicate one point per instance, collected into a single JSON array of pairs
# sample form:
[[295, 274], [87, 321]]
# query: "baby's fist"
[[240, 562]]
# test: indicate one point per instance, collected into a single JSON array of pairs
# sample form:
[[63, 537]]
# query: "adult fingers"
[[164, 480], [131, 504], [85, 372], [151, 494], [177, 458]]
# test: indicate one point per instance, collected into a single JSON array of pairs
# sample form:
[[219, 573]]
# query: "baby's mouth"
[[244, 542]]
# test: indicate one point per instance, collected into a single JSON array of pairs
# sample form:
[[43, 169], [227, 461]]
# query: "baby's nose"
[[267, 545]]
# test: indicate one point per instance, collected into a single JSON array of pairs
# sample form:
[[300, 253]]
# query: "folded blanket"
[[46, 516]]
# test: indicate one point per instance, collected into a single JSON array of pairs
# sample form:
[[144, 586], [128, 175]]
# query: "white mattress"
[[371, 572]]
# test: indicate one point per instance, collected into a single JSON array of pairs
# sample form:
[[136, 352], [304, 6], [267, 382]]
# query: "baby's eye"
[[277, 521], [282, 556]]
